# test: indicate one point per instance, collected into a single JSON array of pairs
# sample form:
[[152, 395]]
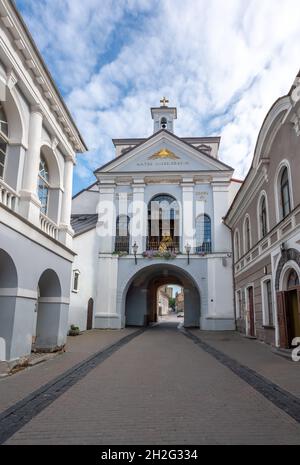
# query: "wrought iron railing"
[[122, 244], [205, 247], [154, 243]]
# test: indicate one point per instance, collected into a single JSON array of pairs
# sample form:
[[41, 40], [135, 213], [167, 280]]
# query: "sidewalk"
[[79, 348], [257, 356]]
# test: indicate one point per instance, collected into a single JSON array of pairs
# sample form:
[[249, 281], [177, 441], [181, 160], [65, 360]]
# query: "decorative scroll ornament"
[[164, 153]]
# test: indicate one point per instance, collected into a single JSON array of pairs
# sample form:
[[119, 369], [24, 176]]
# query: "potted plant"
[[74, 330]]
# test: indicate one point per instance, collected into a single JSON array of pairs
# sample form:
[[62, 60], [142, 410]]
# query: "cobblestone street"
[[158, 387]]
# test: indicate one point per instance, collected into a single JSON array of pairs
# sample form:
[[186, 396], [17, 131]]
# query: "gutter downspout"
[[233, 279]]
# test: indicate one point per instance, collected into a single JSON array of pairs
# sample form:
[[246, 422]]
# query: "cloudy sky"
[[221, 62]]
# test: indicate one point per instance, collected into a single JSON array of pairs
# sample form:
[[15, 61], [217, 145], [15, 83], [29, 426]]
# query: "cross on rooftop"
[[164, 102]]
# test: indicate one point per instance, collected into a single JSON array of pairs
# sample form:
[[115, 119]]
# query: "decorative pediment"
[[163, 152]]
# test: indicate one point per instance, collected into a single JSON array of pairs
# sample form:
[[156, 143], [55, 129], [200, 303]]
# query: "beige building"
[[265, 223], [163, 300], [179, 301]]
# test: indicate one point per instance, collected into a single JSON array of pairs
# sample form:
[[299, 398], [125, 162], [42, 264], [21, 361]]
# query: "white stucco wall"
[[86, 249]]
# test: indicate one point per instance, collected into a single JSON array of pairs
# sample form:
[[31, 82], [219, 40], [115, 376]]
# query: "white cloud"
[[223, 63]]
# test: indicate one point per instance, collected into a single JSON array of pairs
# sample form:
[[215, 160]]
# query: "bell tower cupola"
[[164, 116]]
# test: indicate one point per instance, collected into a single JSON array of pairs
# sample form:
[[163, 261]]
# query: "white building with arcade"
[[38, 145]]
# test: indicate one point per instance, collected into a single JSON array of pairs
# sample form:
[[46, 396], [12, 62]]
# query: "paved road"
[[160, 388]]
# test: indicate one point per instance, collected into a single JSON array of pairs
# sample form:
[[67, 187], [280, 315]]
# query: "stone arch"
[[269, 129], [49, 308], [55, 175], [141, 288], [8, 292], [15, 117], [15, 139], [288, 256]]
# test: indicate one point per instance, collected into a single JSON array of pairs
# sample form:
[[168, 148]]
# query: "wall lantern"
[[188, 251], [135, 249]]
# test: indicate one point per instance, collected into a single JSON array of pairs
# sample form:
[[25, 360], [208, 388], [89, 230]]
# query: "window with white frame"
[[247, 234], [263, 221], [3, 139], [76, 274], [237, 247], [267, 302], [285, 193]]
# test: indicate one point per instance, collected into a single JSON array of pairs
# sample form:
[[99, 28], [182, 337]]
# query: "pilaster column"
[[221, 234], [138, 226], [187, 220], [106, 226], [29, 202], [66, 232]]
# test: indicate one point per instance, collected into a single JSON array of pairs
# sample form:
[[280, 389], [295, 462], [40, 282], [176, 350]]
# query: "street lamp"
[[135, 249], [188, 250]]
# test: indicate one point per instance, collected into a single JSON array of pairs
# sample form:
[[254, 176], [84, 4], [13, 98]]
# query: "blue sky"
[[222, 63]]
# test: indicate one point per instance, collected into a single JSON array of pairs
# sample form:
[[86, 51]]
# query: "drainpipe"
[[233, 280]]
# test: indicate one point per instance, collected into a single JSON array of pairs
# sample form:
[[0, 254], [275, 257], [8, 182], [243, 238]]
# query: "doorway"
[[293, 320], [288, 310], [90, 311]]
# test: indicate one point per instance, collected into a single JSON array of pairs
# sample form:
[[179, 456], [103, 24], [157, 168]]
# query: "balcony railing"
[[122, 244], [48, 226], [153, 243], [204, 248], [8, 196]]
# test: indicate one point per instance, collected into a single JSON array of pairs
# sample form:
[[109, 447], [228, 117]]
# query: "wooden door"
[[251, 312], [90, 311], [282, 320]]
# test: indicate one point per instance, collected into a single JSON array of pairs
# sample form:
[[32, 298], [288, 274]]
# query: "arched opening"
[[141, 295], [48, 313], [163, 224], [8, 287], [288, 305], [283, 190], [3, 139], [49, 184], [262, 217], [285, 193], [247, 234], [237, 246], [203, 234], [170, 303], [90, 314], [43, 185], [163, 123]]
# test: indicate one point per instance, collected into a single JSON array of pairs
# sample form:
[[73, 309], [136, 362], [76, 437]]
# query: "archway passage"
[[141, 307], [47, 324], [8, 287], [170, 303]]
